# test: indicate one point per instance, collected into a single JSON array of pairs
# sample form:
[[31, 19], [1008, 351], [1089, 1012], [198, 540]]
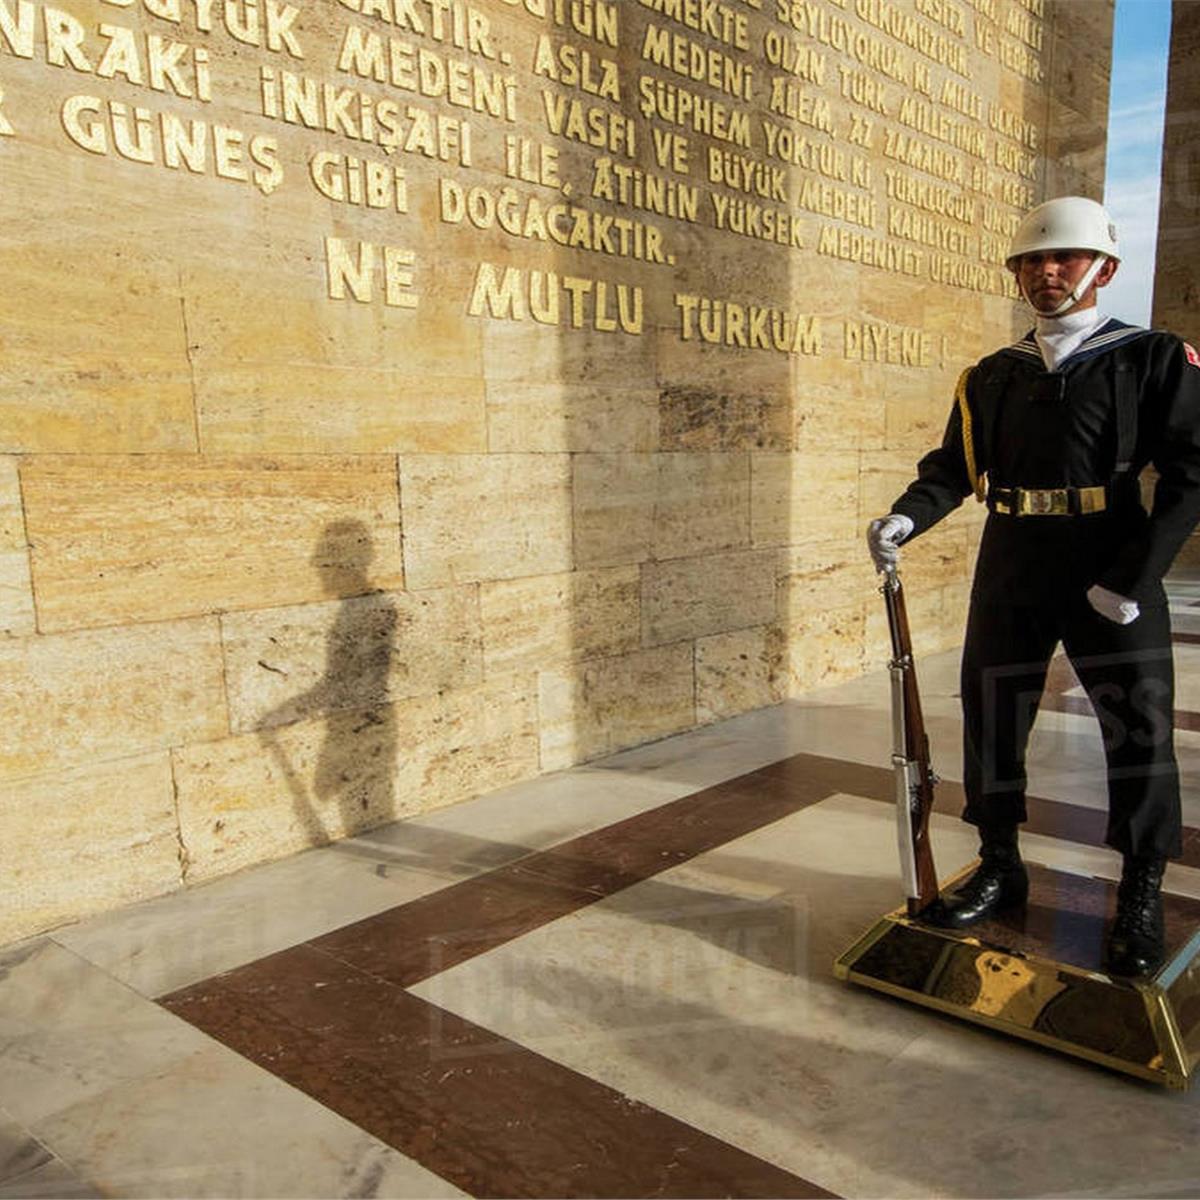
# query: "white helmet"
[[1068, 223]]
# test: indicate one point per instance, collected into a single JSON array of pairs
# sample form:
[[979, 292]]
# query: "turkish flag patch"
[[1192, 356]]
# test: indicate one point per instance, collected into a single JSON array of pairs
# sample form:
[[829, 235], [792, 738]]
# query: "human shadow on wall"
[[347, 782]]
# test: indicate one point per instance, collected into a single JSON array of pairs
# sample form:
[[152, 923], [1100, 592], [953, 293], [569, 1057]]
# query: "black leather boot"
[[1135, 942], [999, 882]]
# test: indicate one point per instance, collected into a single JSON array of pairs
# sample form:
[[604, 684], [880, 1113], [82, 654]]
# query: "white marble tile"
[[164, 944], [707, 992], [213, 1124], [69, 1032]]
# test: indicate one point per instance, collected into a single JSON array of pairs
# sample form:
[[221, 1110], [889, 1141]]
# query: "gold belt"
[[1048, 502]]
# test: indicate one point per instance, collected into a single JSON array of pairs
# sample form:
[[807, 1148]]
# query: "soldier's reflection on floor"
[[346, 783]]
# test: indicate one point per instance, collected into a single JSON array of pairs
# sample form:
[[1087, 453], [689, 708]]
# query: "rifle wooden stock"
[[910, 758]]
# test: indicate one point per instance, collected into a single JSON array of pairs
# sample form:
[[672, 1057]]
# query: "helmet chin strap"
[[1080, 289]]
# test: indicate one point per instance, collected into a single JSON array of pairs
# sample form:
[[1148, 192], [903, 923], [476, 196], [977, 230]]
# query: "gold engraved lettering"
[[799, 151], [448, 21], [590, 124], [998, 220], [514, 294], [1010, 158], [971, 276], [302, 100], [909, 31], [415, 69], [863, 89], [670, 150], [1024, 27], [683, 56], [961, 99], [946, 13], [851, 246], [351, 269], [566, 225], [665, 101], [926, 229], [752, 326], [710, 18], [531, 162], [876, 341], [752, 220], [741, 173], [817, 23], [163, 138], [790, 99], [818, 196], [618, 183], [146, 60], [1012, 125], [1019, 59], [930, 197], [595, 19], [18, 34], [1016, 194], [348, 179], [933, 160], [794, 57], [924, 118], [572, 67]]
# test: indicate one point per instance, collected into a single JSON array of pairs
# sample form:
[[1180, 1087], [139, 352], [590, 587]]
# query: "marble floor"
[[611, 981]]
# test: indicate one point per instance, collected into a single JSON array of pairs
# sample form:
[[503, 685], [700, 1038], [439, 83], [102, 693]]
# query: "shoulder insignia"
[[1192, 356]]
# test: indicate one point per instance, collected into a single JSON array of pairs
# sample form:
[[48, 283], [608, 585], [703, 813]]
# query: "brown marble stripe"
[[429, 935], [1061, 678], [485, 1113]]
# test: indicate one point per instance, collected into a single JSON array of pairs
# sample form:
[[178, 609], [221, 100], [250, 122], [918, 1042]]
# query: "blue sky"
[[1141, 36]]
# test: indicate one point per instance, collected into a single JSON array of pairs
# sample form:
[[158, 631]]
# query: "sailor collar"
[[1109, 334]]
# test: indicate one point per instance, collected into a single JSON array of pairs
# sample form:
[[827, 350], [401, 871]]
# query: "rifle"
[[910, 758]]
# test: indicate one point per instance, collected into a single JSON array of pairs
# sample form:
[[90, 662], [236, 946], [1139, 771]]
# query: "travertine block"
[[839, 405], [95, 360], [613, 497], [530, 623], [288, 664], [470, 517], [144, 539], [704, 418], [701, 504], [557, 416], [824, 648], [85, 840], [823, 577], [737, 672], [917, 408], [88, 696], [263, 795], [695, 597], [602, 706], [803, 496], [280, 408], [16, 588]]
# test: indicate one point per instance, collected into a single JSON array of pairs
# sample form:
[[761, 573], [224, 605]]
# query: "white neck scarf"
[[1059, 337]]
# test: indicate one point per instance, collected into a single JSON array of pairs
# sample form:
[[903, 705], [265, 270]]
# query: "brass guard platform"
[[1037, 974]]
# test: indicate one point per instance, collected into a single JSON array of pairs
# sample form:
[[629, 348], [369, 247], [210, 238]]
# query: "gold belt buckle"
[[1043, 502]]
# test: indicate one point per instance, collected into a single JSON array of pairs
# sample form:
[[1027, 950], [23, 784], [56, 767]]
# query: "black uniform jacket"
[[1035, 428]]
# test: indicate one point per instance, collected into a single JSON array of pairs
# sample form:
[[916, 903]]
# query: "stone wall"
[[1176, 303], [401, 398]]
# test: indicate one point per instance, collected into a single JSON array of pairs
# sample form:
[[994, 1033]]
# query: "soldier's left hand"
[[1117, 608]]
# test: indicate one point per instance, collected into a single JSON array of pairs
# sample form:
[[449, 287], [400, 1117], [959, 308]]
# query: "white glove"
[[884, 536], [1115, 607]]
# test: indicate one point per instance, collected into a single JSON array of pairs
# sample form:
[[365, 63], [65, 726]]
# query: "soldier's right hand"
[[884, 536]]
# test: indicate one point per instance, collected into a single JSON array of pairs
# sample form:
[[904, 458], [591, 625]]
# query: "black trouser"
[[1128, 674]]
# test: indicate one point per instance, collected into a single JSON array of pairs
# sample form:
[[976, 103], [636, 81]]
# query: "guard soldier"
[[1053, 433]]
